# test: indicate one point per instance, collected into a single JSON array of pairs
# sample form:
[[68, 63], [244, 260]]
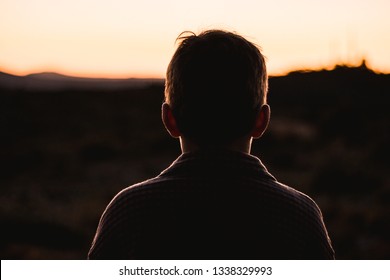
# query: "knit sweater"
[[212, 205]]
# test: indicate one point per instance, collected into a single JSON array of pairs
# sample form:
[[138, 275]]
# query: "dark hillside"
[[67, 149]]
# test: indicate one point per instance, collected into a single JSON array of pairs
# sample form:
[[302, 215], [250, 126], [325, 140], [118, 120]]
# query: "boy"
[[216, 201]]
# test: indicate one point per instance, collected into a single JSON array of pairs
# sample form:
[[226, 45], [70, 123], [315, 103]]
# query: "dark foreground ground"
[[66, 151]]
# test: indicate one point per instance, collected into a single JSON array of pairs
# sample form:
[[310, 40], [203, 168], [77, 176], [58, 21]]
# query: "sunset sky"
[[126, 38]]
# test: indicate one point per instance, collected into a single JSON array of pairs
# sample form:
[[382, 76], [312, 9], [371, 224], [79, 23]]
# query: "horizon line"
[[78, 75]]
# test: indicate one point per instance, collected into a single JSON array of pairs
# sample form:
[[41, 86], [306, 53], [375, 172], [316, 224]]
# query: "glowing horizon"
[[123, 39]]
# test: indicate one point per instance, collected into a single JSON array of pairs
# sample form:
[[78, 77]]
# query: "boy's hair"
[[215, 84]]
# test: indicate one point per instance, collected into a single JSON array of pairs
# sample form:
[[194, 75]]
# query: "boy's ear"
[[261, 122], [169, 121]]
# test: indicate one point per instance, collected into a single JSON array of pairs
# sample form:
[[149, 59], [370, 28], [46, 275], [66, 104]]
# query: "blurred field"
[[67, 150]]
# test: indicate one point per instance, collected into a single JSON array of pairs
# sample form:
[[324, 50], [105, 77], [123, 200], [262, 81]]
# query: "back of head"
[[216, 82]]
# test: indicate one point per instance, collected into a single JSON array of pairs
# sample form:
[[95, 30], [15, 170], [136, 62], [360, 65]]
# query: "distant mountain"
[[49, 81], [341, 74]]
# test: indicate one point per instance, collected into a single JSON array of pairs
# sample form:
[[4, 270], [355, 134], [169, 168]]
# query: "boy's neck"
[[241, 145]]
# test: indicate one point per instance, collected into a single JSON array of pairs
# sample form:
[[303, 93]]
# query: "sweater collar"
[[217, 163]]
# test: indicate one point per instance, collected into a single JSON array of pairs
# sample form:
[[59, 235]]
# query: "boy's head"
[[215, 85]]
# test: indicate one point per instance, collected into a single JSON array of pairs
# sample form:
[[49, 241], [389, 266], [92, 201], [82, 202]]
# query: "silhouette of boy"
[[216, 201]]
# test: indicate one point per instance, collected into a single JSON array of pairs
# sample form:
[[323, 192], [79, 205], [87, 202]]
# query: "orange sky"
[[125, 38]]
